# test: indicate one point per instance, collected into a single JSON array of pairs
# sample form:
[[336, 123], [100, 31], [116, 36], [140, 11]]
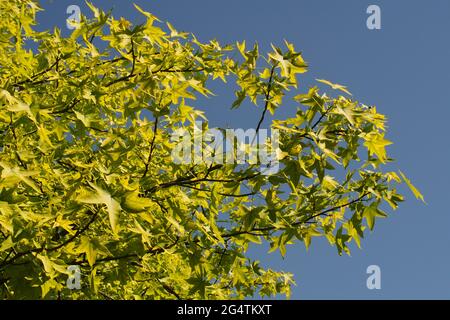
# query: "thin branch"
[[67, 108], [332, 209], [97, 129], [104, 295], [187, 70], [254, 231], [151, 251], [79, 232], [223, 194], [38, 250], [30, 80], [267, 98], [125, 78], [163, 209], [169, 289], [133, 65], [322, 116], [187, 181], [152, 146], [222, 255]]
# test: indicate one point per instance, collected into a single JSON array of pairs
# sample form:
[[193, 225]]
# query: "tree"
[[88, 177]]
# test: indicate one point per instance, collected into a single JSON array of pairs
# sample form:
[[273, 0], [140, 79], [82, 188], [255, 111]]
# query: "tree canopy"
[[88, 177]]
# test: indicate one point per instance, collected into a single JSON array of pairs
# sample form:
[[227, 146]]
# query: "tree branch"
[[30, 80], [131, 74], [152, 146], [79, 232], [169, 289], [321, 117], [267, 97], [67, 108], [332, 209], [39, 250], [254, 231], [187, 181]]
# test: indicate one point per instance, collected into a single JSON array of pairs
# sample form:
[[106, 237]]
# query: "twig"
[[267, 98], [272, 228], [152, 147]]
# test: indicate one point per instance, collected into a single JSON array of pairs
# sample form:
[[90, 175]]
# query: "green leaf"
[[371, 212], [49, 285], [103, 197], [11, 176], [87, 247], [376, 144], [133, 203], [335, 86], [7, 244], [414, 190]]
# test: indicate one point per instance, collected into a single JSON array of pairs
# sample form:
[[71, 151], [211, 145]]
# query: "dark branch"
[[133, 65], [321, 117], [189, 180], [30, 80], [79, 232], [332, 209], [38, 250], [263, 231], [152, 147], [267, 98], [67, 108]]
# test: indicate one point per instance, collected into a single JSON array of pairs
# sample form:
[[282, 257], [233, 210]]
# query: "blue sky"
[[403, 69]]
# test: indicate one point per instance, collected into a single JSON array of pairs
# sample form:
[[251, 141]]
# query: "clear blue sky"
[[403, 69]]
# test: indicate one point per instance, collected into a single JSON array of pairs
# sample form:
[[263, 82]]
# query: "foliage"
[[87, 176]]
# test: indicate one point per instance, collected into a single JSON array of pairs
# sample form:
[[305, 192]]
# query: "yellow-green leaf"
[[414, 190]]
